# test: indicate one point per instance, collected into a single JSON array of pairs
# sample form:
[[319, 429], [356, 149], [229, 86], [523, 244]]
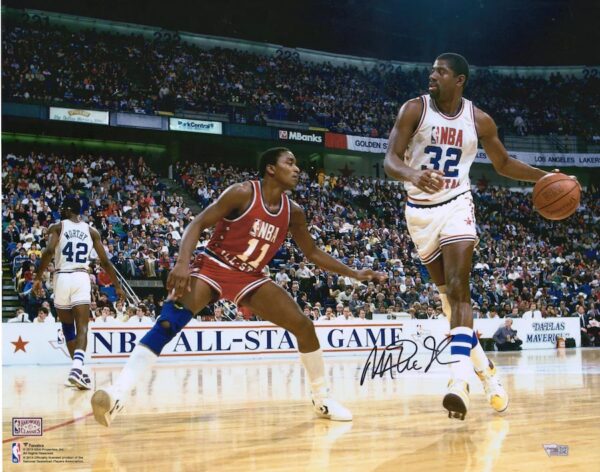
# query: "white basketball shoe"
[[327, 407], [106, 406], [456, 400], [494, 391]]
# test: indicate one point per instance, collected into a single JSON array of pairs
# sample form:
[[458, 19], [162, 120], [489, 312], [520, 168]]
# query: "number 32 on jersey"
[[447, 163]]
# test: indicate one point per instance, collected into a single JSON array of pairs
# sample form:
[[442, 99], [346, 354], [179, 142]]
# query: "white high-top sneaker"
[[106, 405], [456, 401], [327, 407], [494, 391]]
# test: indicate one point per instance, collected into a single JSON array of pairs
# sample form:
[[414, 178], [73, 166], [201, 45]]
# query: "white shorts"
[[434, 226], [71, 289]]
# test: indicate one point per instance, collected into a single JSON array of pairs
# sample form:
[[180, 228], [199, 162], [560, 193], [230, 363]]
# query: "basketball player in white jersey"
[[431, 149], [70, 243]]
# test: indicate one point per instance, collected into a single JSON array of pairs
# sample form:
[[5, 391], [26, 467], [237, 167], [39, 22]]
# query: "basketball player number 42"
[[453, 156], [248, 252], [81, 248]]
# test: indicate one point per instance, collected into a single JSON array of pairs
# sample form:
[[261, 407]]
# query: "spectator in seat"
[[282, 278], [129, 313], [532, 313], [106, 316], [103, 279], [44, 316], [218, 314], [506, 338], [20, 317], [346, 315], [141, 315]]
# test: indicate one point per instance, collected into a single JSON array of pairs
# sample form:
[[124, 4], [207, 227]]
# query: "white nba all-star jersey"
[[74, 247], [444, 143]]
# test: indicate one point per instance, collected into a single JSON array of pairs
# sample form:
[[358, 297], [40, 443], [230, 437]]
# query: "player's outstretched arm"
[[428, 180], [47, 254], [299, 230], [105, 263], [493, 147], [232, 202]]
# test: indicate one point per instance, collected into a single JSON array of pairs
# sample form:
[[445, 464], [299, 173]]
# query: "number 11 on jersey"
[[248, 252]]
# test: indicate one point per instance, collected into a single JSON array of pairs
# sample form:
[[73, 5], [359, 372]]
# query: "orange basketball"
[[556, 196]]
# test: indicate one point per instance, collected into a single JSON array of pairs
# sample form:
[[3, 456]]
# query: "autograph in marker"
[[397, 357]]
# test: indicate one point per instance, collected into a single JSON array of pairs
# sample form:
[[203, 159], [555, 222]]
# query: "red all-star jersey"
[[248, 242]]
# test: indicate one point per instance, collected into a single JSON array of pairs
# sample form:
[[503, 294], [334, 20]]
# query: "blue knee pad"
[[158, 337], [69, 331]]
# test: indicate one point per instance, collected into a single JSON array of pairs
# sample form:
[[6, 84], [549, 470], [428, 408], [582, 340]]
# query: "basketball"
[[556, 196]]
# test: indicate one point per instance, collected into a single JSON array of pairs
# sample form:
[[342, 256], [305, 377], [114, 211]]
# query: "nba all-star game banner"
[[547, 159], [79, 116], [25, 343]]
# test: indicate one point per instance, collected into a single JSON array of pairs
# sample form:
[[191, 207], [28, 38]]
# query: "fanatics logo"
[[283, 134], [27, 426]]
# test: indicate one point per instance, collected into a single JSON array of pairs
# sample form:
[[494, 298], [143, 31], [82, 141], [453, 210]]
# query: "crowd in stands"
[[139, 223], [525, 266], [130, 73]]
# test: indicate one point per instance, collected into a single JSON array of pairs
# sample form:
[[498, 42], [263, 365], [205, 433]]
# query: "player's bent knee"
[[174, 316], [69, 331], [171, 321]]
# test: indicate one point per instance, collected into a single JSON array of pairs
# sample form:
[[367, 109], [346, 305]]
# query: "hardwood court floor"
[[255, 416]]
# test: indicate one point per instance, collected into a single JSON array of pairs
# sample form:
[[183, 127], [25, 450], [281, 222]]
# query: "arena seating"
[[130, 73]]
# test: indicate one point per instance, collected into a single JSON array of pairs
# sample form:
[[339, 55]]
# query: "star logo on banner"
[[20, 344], [346, 171], [469, 221]]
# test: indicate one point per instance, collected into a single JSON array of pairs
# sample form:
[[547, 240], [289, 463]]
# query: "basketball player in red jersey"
[[431, 149], [252, 221]]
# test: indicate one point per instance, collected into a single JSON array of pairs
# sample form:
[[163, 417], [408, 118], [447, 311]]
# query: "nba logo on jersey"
[[262, 229], [16, 453], [446, 135]]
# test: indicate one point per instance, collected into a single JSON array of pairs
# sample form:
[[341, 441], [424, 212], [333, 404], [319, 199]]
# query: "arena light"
[[8, 137]]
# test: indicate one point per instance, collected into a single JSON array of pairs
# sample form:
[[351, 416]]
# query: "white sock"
[[478, 356], [78, 359], [445, 303], [315, 370], [460, 352], [139, 363]]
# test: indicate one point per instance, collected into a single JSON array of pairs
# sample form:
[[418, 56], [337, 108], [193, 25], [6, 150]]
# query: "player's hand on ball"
[[429, 181], [370, 275], [179, 282]]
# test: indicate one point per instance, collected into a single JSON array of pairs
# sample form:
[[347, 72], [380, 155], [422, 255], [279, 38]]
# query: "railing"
[[132, 298], [229, 310]]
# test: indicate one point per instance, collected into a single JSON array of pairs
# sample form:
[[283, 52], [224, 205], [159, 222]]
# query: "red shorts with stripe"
[[230, 283]]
